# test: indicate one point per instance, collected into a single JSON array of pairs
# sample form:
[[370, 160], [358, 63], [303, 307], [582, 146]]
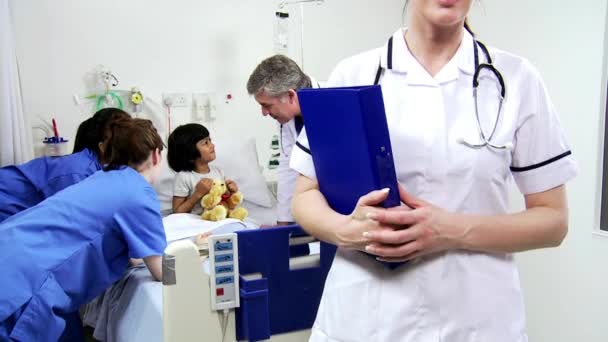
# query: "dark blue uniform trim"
[[541, 164], [303, 148]]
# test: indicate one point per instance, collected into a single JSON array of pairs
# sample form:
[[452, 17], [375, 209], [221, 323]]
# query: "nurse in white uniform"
[[274, 83], [460, 283]]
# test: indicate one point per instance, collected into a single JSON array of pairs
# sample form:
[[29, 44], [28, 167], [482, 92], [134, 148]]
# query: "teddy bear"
[[220, 203]]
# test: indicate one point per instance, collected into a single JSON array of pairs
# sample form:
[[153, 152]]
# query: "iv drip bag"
[[281, 32]]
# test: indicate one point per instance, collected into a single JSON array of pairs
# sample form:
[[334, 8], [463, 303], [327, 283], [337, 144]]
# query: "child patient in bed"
[[189, 153]]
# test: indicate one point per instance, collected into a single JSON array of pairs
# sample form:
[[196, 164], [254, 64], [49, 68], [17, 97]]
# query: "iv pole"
[[284, 4]]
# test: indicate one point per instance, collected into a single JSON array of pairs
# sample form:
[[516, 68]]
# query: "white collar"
[[397, 57]]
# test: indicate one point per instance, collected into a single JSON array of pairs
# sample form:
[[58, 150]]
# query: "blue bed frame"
[[282, 300]]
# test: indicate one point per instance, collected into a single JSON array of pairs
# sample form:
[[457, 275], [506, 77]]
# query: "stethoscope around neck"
[[484, 141]]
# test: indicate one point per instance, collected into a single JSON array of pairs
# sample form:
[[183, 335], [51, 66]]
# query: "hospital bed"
[[280, 289], [281, 277]]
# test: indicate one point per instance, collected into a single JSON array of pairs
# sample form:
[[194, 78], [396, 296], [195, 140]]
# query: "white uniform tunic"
[[287, 176], [456, 295]]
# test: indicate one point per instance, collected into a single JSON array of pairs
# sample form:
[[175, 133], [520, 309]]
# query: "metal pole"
[[302, 33]]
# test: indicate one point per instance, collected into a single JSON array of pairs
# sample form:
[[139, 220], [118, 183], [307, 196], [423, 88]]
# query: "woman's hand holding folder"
[[429, 230], [360, 222]]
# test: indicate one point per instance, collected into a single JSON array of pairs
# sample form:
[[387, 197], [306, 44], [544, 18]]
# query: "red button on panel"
[[219, 291]]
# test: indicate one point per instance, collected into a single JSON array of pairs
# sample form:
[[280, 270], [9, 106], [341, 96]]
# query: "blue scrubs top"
[[23, 186], [65, 251]]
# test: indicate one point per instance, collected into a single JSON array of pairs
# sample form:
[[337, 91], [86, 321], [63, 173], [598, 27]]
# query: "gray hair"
[[276, 75]]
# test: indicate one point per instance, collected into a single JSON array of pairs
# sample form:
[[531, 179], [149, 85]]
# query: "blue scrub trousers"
[[44, 318]]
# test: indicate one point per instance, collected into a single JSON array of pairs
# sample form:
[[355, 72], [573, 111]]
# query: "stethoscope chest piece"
[[486, 140]]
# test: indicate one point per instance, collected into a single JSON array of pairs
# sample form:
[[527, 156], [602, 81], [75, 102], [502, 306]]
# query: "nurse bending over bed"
[[23, 186], [66, 250]]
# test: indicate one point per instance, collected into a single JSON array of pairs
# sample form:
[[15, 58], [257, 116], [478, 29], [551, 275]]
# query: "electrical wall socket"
[[176, 99]]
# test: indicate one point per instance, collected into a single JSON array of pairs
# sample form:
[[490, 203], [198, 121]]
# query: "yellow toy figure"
[[220, 203]]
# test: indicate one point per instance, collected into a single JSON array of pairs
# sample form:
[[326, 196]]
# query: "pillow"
[[238, 159], [164, 185]]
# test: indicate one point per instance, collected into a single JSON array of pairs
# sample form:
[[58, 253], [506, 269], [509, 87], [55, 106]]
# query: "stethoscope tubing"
[[485, 141]]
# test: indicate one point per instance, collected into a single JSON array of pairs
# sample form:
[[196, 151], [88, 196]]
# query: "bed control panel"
[[224, 271]]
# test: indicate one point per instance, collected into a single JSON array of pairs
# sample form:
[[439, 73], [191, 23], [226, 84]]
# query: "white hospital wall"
[[180, 45], [565, 289]]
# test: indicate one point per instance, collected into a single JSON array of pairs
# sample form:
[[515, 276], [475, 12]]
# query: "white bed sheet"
[[139, 312], [135, 303]]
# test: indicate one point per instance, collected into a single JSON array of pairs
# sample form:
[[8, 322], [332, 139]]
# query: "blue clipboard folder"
[[350, 145]]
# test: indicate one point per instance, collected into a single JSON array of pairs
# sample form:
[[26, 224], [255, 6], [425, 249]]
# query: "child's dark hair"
[[91, 131], [182, 151], [129, 142]]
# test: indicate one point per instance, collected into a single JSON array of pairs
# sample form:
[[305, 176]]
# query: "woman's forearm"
[[313, 214], [155, 265], [543, 224], [537, 227], [428, 229]]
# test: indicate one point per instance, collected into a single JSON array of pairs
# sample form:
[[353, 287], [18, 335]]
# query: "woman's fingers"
[[369, 201], [202, 238], [393, 236], [394, 251], [373, 198], [401, 259], [403, 217], [397, 245]]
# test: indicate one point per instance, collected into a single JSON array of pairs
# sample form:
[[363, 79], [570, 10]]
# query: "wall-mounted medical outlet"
[[176, 99], [204, 106]]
